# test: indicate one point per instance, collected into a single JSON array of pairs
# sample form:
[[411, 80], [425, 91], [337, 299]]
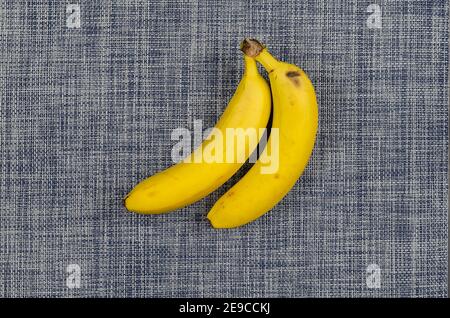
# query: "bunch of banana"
[[295, 121]]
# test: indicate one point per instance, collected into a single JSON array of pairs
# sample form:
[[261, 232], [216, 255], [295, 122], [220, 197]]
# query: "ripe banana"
[[189, 180], [295, 114]]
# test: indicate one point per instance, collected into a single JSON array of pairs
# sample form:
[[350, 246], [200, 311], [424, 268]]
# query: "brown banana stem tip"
[[251, 47]]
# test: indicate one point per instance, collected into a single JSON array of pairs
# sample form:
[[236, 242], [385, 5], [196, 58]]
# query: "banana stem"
[[268, 61], [250, 66], [254, 49]]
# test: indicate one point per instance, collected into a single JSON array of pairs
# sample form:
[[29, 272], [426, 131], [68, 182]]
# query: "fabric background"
[[86, 113]]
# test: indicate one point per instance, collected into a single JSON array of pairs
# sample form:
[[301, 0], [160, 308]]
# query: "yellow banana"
[[187, 182], [295, 115]]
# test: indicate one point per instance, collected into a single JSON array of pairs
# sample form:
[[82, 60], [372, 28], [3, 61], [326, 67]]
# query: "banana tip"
[[213, 221], [124, 202]]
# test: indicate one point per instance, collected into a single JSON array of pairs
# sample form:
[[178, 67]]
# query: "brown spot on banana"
[[293, 76]]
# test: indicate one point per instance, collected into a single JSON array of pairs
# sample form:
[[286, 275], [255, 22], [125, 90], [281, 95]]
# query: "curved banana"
[[295, 115], [190, 180]]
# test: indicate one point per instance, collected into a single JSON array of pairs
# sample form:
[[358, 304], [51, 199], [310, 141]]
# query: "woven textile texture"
[[88, 112]]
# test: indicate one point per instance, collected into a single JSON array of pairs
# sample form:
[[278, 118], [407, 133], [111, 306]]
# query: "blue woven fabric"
[[85, 113]]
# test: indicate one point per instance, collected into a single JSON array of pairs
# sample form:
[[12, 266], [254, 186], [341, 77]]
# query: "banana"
[[295, 115], [190, 180]]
